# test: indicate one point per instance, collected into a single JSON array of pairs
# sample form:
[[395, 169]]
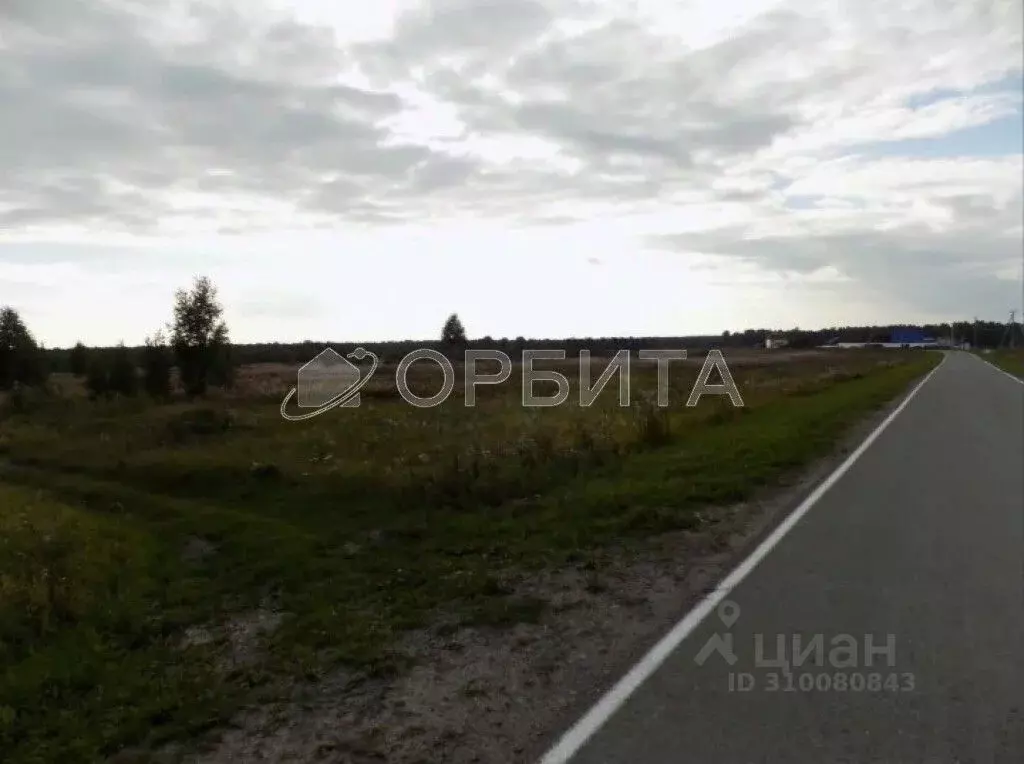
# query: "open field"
[[165, 566]]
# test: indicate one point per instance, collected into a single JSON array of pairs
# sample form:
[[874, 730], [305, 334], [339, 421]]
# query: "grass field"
[[1008, 360], [164, 564]]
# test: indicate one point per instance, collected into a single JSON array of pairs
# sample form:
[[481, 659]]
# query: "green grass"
[[85, 643], [356, 526], [1011, 361]]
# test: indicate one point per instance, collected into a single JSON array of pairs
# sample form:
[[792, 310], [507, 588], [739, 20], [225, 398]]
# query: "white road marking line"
[[577, 735], [1001, 371]]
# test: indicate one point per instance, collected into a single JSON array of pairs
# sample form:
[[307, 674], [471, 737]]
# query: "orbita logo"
[[328, 381], [332, 380]]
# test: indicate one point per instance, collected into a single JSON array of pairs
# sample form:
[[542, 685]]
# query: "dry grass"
[[127, 523]]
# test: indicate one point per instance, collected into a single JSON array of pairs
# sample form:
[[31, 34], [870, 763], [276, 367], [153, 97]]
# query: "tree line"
[[453, 339], [194, 350], [194, 347], [984, 334]]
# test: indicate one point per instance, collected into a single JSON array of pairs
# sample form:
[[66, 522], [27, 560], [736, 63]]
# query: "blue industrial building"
[[910, 336], [899, 337]]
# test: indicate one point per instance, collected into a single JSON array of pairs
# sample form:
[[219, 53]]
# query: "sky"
[[544, 168]]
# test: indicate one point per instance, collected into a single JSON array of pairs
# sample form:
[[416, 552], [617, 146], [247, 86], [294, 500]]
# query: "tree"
[[97, 377], [21, 360], [222, 366], [79, 360], [453, 333], [156, 366], [801, 340], [123, 378], [199, 337]]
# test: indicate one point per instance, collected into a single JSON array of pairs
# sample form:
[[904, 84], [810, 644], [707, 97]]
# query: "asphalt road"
[[919, 545]]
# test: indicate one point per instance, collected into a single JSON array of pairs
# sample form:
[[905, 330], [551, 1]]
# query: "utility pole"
[[974, 345], [1011, 331]]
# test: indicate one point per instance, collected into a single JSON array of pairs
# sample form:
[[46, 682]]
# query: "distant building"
[[771, 343], [910, 336]]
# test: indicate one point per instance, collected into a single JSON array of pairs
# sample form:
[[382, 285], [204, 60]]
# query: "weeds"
[[1007, 359], [360, 524], [200, 421]]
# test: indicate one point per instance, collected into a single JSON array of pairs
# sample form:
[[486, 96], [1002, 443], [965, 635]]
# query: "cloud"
[[119, 123], [767, 132], [932, 254]]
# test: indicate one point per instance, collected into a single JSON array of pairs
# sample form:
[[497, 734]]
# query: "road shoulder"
[[504, 695]]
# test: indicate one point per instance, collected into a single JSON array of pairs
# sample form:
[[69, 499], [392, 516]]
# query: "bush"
[[97, 378], [199, 421], [123, 378], [653, 425], [23, 400], [156, 367], [79, 360], [21, 360]]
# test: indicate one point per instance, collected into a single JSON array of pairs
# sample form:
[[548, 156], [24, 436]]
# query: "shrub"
[[202, 421], [97, 378], [156, 367], [123, 378], [79, 360], [653, 425], [21, 361]]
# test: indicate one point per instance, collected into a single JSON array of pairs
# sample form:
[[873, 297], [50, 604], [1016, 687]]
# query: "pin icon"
[[728, 613]]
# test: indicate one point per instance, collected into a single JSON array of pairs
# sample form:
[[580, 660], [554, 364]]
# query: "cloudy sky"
[[542, 167]]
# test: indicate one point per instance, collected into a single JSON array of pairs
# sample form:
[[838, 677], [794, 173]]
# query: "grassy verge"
[[1011, 361], [125, 526], [84, 641]]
